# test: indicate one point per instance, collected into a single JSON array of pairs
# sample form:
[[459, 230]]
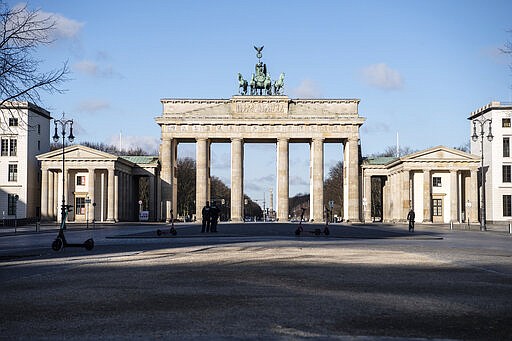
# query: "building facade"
[[497, 161], [100, 186], [439, 184], [24, 133]]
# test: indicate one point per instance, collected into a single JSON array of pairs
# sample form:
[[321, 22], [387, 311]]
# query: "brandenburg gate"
[[264, 117]]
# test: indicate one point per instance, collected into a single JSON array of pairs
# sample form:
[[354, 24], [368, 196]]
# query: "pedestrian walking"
[[214, 216], [410, 217], [206, 217]]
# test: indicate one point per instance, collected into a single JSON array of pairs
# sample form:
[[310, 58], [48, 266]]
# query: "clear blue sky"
[[419, 67]]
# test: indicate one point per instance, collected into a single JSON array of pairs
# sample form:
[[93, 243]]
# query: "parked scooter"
[[172, 230], [60, 242]]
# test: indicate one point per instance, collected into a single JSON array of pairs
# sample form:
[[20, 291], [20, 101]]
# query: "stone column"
[[101, 204], [51, 195], [116, 197], [201, 175], [237, 172], [282, 179], [406, 203], [386, 199], [473, 196], [126, 203], [133, 206], [166, 175], [174, 179], [352, 170], [152, 195], [66, 187], [91, 182], [317, 180], [44, 194], [454, 196], [427, 196], [110, 196], [367, 194]]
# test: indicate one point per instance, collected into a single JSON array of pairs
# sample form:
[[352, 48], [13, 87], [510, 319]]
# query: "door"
[[437, 210]]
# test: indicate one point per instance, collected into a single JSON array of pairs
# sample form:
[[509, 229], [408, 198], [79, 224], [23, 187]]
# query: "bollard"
[[451, 225], [510, 228]]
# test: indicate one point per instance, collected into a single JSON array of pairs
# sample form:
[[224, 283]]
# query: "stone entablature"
[[266, 117]]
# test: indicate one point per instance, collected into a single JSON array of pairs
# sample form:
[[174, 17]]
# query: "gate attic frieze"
[[260, 118], [275, 119]]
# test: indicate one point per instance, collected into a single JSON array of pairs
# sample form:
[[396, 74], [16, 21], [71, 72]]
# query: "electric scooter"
[[172, 229], [60, 242], [316, 232]]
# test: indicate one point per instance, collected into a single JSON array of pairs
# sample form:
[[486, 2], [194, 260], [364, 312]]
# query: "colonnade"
[[413, 188], [112, 190], [203, 159]]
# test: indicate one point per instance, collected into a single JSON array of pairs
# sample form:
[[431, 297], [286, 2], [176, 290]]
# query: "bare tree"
[[186, 174], [466, 147], [391, 151], [22, 32], [333, 189]]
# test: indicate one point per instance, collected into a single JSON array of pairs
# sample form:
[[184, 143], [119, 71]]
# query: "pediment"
[[77, 152], [440, 154]]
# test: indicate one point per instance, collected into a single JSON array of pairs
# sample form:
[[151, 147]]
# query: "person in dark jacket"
[[206, 217], [411, 217], [214, 216]]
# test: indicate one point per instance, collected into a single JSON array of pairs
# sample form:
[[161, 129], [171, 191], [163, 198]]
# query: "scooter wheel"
[[326, 231], [57, 244], [89, 244], [158, 232], [173, 231]]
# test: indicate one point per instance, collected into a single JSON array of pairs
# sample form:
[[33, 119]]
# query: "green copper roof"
[[380, 160], [141, 159]]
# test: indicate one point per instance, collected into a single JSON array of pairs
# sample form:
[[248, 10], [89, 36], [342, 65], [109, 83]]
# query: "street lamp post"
[[60, 242], [63, 124], [475, 137]]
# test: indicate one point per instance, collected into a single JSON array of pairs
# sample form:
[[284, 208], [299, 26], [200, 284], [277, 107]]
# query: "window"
[[11, 204], [13, 122], [80, 206], [436, 181], [5, 147], [39, 129], [506, 147], [13, 150], [437, 207], [507, 205], [38, 145], [505, 122], [80, 180], [13, 172], [506, 173]]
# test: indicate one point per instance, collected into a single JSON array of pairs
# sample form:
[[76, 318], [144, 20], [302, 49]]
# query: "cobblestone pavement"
[[259, 282]]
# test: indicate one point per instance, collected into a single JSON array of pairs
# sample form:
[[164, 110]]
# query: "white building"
[[437, 183], [100, 186], [24, 133], [497, 158]]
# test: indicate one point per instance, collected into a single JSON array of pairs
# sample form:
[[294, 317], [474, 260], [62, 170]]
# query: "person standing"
[[411, 217], [214, 216], [206, 217]]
